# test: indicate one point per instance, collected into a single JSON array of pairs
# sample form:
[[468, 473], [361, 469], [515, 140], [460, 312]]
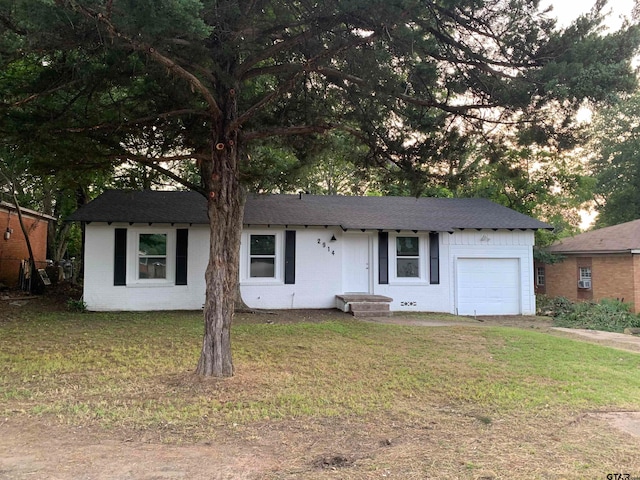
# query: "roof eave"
[[594, 252], [27, 211], [136, 222], [524, 229]]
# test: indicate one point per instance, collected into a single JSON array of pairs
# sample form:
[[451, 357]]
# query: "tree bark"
[[61, 242], [225, 204], [35, 279], [240, 306]]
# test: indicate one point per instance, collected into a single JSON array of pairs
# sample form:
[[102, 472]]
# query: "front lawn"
[[133, 372]]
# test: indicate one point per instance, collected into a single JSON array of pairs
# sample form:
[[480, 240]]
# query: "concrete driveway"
[[612, 339], [620, 341]]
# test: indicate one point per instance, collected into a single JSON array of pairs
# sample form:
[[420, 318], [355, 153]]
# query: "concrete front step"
[[364, 305], [368, 307], [363, 297], [372, 313], [370, 302]]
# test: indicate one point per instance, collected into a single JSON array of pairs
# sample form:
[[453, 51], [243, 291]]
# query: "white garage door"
[[488, 286]]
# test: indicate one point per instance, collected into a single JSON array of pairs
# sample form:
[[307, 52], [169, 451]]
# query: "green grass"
[[135, 370]]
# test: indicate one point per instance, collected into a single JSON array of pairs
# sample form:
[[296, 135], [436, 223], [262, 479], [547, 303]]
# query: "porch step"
[[372, 314], [369, 309], [364, 305]]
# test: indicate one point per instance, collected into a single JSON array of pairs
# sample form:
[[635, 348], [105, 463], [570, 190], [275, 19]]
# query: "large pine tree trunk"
[[226, 200]]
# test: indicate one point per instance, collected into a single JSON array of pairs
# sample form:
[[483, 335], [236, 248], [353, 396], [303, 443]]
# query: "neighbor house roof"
[[378, 213], [10, 207], [618, 238]]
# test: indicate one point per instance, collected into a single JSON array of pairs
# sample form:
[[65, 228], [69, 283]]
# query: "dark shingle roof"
[[378, 213], [618, 238], [144, 207], [385, 213]]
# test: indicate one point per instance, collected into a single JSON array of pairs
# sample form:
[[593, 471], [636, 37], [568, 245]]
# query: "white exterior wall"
[[101, 295], [416, 295], [318, 271], [494, 244], [320, 276], [321, 273]]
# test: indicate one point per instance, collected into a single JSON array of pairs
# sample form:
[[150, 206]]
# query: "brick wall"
[[561, 279], [613, 276], [14, 250], [636, 279]]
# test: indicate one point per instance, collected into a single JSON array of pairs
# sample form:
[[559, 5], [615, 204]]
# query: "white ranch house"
[[149, 250]]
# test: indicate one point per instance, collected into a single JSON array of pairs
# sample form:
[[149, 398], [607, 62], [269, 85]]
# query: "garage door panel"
[[488, 286]]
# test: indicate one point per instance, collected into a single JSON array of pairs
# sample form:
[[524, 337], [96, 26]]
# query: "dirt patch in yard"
[[14, 303], [628, 422], [444, 320], [438, 442]]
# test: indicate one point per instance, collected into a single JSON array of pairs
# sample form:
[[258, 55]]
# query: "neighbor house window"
[[407, 257], [540, 276], [262, 256], [584, 281], [152, 255]]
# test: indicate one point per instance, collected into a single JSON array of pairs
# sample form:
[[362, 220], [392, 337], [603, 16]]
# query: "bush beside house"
[[606, 315]]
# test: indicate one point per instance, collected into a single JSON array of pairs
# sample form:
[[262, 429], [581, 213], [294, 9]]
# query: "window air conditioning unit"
[[584, 284]]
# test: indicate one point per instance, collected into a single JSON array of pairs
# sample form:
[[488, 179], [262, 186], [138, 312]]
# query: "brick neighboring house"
[[602, 263], [13, 247]]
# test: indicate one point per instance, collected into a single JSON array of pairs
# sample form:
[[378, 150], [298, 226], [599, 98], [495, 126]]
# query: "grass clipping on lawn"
[[440, 387]]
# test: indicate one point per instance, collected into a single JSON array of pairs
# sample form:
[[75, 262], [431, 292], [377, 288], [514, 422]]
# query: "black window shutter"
[[290, 257], [182, 247], [383, 258], [434, 258], [120, 257]]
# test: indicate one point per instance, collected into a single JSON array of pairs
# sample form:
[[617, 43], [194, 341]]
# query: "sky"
[[567, 10]]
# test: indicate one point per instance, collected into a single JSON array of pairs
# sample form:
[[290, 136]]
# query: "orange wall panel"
[[13, 250]]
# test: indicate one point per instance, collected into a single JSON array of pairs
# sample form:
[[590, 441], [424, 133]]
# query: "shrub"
[[607, 315], [553, 306], [76, 305]]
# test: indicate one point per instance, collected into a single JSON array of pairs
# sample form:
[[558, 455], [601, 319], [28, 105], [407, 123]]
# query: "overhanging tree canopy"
[[616, 162], [418, 82]]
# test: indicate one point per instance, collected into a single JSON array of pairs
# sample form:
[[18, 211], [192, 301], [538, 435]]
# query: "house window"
[[262, 256], [152, 255], [407, 257], [584, 280], [540, 276]]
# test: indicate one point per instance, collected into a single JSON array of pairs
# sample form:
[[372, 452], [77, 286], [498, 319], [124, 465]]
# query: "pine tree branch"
[[153, 163], [461, 109], [311, 65], [136, 121], [287, 131], [36, 96], [9, 25], [270, 52], [264, 101], [285, 68], [157, 56]]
